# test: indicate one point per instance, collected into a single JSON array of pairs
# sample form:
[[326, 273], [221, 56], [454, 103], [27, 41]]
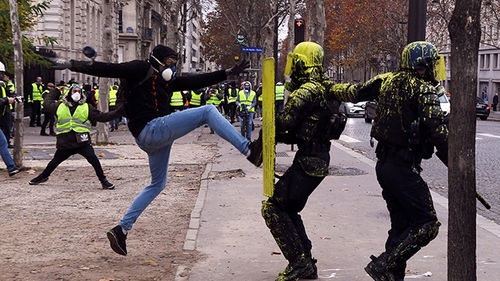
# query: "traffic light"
[[299, 29]]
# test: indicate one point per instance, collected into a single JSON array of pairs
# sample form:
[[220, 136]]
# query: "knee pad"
[[427, 233]]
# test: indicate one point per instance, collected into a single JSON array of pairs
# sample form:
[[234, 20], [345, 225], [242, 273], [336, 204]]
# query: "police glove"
[[59, 63], [237, 69]]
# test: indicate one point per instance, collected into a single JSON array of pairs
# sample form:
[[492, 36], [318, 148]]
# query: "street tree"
[[28, 15], [365, 34], [252, 21], [464, 26]]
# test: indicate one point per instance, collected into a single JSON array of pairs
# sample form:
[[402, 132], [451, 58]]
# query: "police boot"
[[391, 266], [285, 235], [377, 268]]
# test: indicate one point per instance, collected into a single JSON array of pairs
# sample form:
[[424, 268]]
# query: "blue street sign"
[[251, 49]]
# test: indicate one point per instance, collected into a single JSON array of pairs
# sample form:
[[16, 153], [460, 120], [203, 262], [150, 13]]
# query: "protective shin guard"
[[283, 231], [388, 266], [285, 235]]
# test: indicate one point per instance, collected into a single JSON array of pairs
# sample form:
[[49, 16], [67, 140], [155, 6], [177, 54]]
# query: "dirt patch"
[[57, 230]]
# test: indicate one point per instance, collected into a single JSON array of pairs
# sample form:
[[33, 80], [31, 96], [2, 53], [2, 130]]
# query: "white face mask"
[[76, 97], [169, 74]]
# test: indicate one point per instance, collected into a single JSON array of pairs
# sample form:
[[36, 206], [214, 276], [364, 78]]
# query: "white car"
[[445, 105], [353, 109]]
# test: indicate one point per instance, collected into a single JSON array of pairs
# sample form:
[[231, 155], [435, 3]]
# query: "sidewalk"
[[345, 217]]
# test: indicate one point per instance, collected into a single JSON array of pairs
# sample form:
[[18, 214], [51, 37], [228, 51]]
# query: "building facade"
[[137, 27]]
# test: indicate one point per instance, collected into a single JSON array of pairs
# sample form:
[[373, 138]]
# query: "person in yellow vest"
[[177, 101], [35, 100], [214, 96], [280, 97], [5, 101], [246, 101], [73, 131], [48, 117], [96, 95], [197, 98], [258, 108], [113, 124], [7, 123], [232, 93]]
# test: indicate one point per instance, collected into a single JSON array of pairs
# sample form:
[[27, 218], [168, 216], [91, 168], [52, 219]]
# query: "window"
[[487, 61], [495, 61], [481, 61]]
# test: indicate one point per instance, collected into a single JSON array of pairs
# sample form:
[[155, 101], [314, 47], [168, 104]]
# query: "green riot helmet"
[[304, 56], [423, 55]]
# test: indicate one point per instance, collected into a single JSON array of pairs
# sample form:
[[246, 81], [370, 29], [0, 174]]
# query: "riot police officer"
[[408, 124]]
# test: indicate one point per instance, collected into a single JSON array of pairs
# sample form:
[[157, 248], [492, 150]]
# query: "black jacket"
[[150, 99]]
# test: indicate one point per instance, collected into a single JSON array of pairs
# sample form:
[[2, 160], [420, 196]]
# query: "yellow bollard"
[[268, 125]]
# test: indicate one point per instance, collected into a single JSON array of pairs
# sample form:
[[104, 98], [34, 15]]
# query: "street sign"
[[251, 49], [240, 38]]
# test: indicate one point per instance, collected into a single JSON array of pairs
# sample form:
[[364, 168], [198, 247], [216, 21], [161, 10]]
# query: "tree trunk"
[[108, 46], [18, 71], [464, 26], [316, 21]]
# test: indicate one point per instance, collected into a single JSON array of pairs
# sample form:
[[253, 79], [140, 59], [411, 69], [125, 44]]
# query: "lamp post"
[[416, 20]]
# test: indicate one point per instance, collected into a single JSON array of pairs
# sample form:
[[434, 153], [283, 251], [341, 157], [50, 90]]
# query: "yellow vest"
[[247, 101], [37, 94], [280, 92], [78, 122], [112, 97], [196, 98], [176, 99]]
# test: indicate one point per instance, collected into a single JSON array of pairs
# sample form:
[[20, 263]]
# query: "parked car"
[[482, 109], [353, 109], [371, 108]]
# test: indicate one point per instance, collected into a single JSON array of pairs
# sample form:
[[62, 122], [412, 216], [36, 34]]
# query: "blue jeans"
[[250, 120], [4, 153], [156, 140]]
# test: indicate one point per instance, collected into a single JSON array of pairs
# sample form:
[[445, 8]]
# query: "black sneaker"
[[38, 179], [117, 240], [255, 147], [15, 171], [107, 185]]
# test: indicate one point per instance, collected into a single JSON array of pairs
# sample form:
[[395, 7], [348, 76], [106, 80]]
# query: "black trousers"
[[292, 191], [48, 119], [408, 200], [35, 113], [86, 151]]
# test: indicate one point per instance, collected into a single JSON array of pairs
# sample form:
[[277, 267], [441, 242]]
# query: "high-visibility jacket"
[[11, 87], [4, 95], [214, 99], [247, 101], [78, 122], [280, 92], [96, 96], [196, 98], [176, 99], [43, 94], [37, 92], [112, 97], [231, 98]]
